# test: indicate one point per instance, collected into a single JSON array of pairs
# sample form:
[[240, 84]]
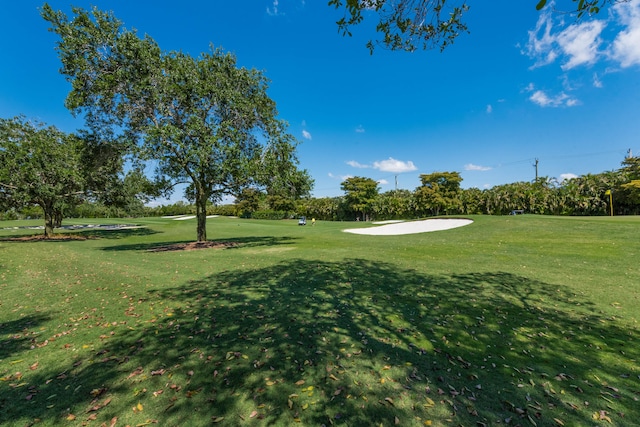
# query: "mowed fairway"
[[524, 320]]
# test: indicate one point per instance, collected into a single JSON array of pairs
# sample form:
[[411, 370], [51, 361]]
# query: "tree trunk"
[[49, 221], [201, 215], [57, 218]]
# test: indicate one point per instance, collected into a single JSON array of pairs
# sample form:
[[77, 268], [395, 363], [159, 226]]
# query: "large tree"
[[40, 165], [205, 122], [413, 24]]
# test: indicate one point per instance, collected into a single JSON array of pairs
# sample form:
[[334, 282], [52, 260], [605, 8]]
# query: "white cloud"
[[394, 166], [273, 11], [596, 81], [580, 43], [541, 98], [345, 177], [355, 164], [571, 102], [383, 182], [567, 176], [359, 129], [306, 134], [472, 167], [626, 46], [489, 109], [341, 177], [577, 43], [540, 47]]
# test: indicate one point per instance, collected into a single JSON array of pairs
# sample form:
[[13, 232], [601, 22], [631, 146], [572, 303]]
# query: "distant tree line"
[[440, 193]]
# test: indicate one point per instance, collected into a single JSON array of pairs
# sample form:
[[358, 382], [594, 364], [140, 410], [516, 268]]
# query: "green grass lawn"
[[516, 321]]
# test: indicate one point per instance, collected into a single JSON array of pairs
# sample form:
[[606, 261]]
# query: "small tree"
[[440, 192], [360, 194], [631, 189], [248, 201], [40, 166]]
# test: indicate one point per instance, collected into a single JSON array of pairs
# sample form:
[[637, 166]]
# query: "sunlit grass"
[[510, 320]]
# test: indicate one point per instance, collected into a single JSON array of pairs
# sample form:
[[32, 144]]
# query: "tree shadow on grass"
[[20, 334], [121, 233], [350, 343], [230, 243], [82, 235]]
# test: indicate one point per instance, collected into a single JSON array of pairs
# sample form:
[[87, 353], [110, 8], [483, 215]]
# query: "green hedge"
[[269, 214]]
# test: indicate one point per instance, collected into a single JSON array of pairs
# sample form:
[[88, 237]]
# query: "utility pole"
[[535, 165], [396, 183]]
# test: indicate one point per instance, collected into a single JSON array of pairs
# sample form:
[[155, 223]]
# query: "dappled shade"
[[354, 343]]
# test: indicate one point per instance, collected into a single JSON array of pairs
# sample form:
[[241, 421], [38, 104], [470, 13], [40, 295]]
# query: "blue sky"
[[523, 85]]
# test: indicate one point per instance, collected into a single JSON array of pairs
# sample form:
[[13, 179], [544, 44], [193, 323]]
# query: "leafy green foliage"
[[439, 192], [408, 25], [360, 194], [40, 166], [582, 7], [204, 121]]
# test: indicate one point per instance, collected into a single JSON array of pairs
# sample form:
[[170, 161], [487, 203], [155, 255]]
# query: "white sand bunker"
[[185, 217], [411, 227]]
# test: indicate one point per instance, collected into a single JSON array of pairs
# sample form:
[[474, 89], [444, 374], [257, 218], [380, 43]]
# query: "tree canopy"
[[440, 192], [205, 122], [427, 24], [40, 165], [360, 194]]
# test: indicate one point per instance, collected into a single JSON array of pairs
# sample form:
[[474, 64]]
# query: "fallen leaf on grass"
[[192, 393], [98, 391], [70, 417], [217, 419], [99, 406], [601, 416], [138, 371]]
